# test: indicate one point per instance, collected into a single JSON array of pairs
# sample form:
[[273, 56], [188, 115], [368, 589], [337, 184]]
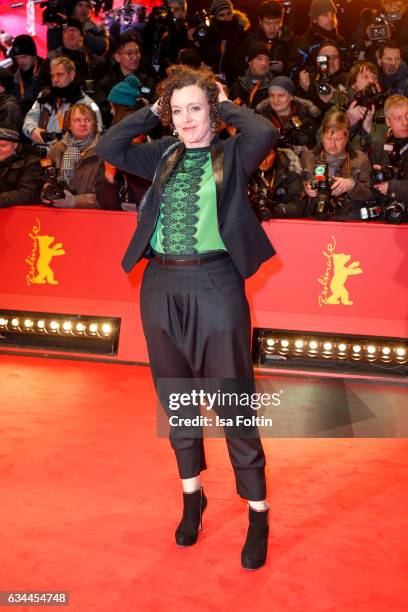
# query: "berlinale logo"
[[42, 253], [335, 276]]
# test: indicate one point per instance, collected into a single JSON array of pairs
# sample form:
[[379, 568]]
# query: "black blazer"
[[234, 161]]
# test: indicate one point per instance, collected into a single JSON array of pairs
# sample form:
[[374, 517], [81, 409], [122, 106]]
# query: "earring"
[[175, 132], [213, 125]]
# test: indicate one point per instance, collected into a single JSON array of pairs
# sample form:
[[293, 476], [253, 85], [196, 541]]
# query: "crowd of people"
[[340, 105]]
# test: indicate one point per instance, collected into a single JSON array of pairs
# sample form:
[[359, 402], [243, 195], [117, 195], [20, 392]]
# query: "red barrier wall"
[[348, 278]]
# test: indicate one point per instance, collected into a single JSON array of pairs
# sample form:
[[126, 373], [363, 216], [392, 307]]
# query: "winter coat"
[[43, 113], [307, 113], [10, 112], [244, 87], [360, 171], [87, 170], [21, 178]]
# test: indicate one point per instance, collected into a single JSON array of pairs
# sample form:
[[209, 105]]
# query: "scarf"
[[72, 155]]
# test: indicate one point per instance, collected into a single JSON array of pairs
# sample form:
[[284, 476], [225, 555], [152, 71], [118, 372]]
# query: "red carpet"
[[90, 501]]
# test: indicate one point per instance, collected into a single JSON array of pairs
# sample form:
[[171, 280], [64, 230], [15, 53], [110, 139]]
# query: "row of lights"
[[340, 349], [64, 327]]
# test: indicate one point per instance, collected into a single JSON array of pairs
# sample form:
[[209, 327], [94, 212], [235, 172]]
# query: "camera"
[[293, 134], [323, 78], [379, 30], [385, 173], [52, 10], [54, 190], [260, 201], [201, 23], [326, 205], [392, 210], [371, 96]]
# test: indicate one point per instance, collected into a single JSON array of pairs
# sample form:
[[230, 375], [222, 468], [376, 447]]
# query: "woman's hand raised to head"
[[222, 96]]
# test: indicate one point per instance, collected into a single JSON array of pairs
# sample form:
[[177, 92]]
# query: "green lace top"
[[187, 220]]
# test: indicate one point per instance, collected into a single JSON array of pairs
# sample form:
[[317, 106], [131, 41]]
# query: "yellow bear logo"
[[340, 275], [47, 252]]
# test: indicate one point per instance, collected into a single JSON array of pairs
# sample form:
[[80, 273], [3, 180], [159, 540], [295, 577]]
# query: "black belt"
[[188, 260]]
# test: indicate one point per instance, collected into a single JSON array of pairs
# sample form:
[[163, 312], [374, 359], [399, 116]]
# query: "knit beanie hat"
[[71, 4], [126, 92], [220, 5], [318, 7], [282, 83], [6, 79], [257, 48], [23, 45], [7, 133], [71, 22]]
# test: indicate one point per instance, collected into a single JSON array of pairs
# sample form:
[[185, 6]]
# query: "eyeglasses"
[[333, 57], [130, 54]]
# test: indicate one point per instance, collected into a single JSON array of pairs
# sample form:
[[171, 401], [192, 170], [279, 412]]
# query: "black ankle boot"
[[194, 506], [256, 544]]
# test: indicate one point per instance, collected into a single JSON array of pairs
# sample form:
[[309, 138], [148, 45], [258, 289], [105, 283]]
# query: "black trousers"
[[197, 325]]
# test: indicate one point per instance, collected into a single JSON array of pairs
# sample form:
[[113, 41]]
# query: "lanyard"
[[35, 72]]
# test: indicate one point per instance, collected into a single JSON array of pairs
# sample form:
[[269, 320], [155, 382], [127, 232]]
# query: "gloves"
[[67, 202]]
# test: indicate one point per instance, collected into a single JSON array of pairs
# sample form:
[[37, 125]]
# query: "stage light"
[[301, 349], [107, 329], [60, 332]]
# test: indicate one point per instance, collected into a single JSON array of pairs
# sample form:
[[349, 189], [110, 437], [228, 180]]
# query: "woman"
[[340, 175], [75, 159], [202, 237]]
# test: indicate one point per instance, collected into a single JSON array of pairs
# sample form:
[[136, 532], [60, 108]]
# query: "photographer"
[[392, 153], [20, 171], [73, 48], [46, 116], [219, 47], [337, 176], [252, 87], [55, 15], [75, 160], [319, 84], [393, 71], [276, 189], [271, 32], [127, 62], [295, 118], [323, 27], [362, 100], [10, 111], [27, 80]]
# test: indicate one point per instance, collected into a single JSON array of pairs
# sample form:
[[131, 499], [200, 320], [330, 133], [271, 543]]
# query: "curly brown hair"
[[180, 76]]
